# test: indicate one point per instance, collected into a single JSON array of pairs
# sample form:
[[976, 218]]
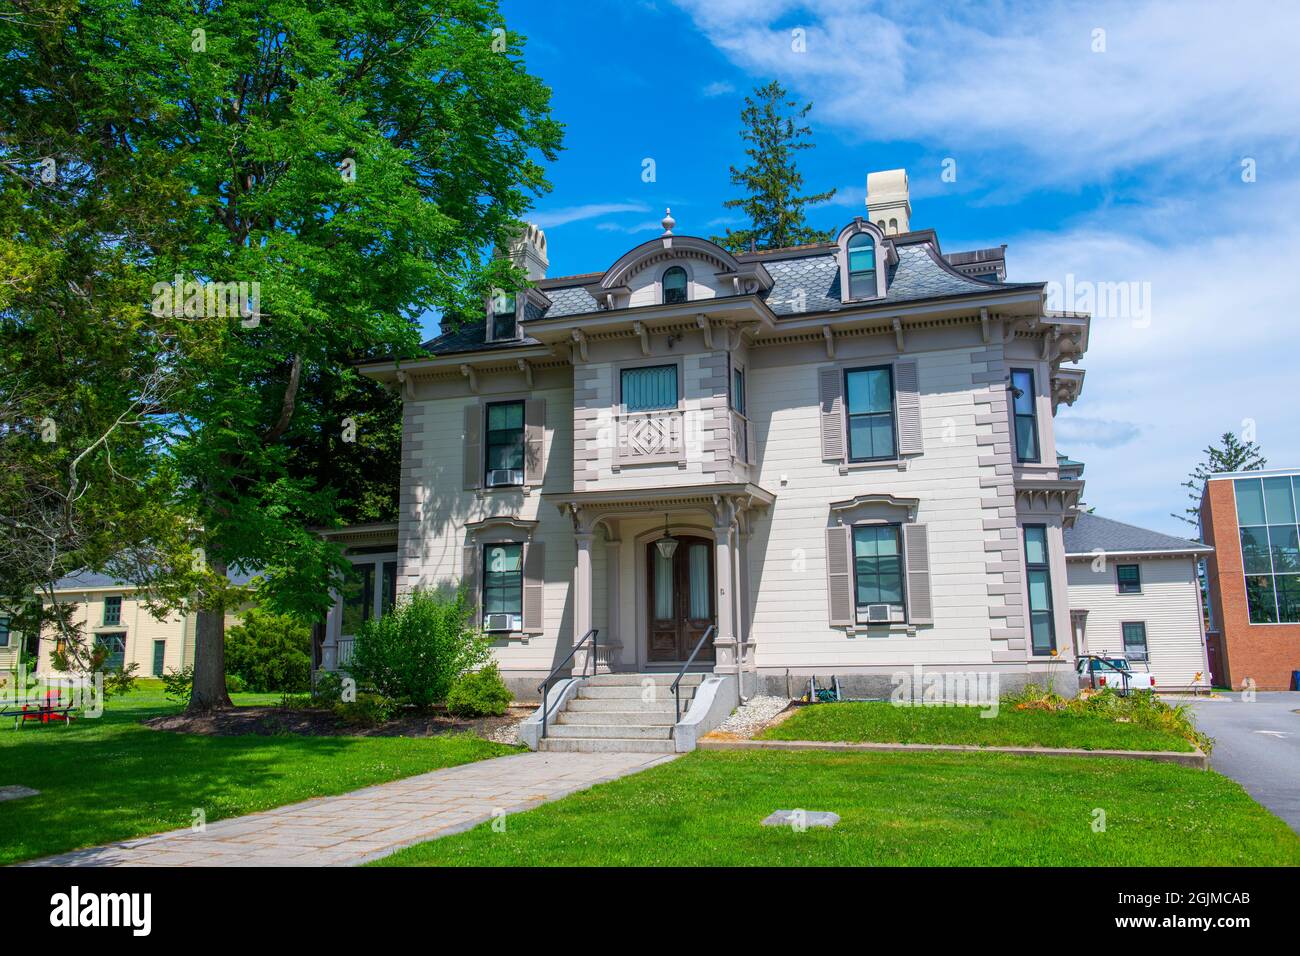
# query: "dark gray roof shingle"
[[1091, 532]]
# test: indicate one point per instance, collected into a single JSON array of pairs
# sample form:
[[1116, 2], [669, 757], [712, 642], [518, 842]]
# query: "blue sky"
[[1119, 156]]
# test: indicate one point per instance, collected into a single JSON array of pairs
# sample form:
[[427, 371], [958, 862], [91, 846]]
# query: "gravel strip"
[[753, 715]]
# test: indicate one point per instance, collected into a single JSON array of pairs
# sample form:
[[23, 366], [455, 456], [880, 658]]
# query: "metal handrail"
[[675, 687], [544, 688]]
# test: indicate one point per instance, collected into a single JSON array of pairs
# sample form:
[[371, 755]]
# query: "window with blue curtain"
[[650, 388], [698, 565], [862, 266]]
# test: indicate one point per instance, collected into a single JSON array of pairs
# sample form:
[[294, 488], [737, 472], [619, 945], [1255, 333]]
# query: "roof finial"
[[668, 222]]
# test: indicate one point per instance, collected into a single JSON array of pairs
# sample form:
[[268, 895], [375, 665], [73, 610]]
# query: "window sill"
[[504, 490], [897, 463], [879, 630]]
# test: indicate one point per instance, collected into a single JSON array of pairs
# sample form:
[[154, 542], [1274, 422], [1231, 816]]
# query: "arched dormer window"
[[864, 256], [674, 286], [862, 266]]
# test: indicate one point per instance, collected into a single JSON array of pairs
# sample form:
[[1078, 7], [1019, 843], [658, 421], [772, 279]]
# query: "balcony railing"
[[645, 438]]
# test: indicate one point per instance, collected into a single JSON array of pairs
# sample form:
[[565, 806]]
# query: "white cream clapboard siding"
[[1169, 605]]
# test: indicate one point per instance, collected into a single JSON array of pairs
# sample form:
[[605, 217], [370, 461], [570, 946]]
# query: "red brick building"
[[1251, 521]]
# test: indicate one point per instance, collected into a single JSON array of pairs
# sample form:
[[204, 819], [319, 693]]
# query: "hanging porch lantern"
[[667, 544]]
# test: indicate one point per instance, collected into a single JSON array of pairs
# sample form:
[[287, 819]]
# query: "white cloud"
[[550, 218], [1220, 348], [718, 88], [649, 225], [1177, 81]]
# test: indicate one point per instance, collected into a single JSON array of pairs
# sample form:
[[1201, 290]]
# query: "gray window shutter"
[[534, 586], [831, 393], [907, 392], [534, 440], [916, 554], [472, 558], [473, 445], [839, 574]]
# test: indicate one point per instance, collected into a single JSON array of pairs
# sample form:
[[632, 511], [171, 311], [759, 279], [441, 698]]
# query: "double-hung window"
[[503, 587], [4, 631], [505, 444], [648, 388], [878, 568], [1130, 578], [1038, 573], [505, 326], [112, 611], [1023, 403], [862, 267], [869, 394], [1135, 640], [358, 598]]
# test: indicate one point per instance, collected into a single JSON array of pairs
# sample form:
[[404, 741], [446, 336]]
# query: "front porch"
[[655, 568]]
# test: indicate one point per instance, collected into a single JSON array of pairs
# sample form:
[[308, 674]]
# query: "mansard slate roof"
[[1092, 533], [920, 273]]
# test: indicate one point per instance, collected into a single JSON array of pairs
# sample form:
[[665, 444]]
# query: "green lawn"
[[108, 779], [896, 809], [881, 722]]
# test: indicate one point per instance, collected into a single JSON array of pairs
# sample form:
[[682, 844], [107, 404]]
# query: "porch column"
[[611, 645], [724, 640], [582, 598]]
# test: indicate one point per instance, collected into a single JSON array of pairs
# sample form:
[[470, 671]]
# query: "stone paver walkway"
[[371, 823]]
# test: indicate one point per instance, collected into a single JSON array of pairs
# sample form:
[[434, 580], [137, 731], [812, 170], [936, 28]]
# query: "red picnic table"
[[52, 709]]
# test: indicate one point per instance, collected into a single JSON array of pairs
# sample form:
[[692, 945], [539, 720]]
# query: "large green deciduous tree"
[[774, 203], [348, 163]]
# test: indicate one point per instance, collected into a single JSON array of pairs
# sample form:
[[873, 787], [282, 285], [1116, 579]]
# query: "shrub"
[[328, 689], [179, 684], [235, 684], [368, 710], [480, 693], [417, 650], [269, 652]]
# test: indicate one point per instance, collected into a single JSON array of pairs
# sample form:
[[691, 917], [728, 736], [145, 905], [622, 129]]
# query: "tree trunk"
[[209, 691]]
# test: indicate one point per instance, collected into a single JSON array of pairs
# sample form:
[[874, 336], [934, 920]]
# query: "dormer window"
[[505, 325], [675, 286], [862, 266]]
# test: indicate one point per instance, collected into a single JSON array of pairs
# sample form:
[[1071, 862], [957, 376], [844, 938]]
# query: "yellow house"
[[113, 614]]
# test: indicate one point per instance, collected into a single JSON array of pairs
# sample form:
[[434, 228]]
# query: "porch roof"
[[630, 502]]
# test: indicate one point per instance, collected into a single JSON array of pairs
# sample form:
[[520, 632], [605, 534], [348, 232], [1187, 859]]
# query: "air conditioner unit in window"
[[500, 477], [496, 622], [878, 613]]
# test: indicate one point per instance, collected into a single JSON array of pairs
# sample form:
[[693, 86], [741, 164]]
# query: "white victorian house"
[[835, 459]]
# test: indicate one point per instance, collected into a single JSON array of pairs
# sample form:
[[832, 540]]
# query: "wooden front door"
[[680, 601]]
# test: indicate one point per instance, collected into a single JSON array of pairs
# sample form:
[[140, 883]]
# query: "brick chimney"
[[888, 203]]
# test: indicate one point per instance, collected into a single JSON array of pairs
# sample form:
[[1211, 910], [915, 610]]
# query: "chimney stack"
[[528, 252], [888, 203]]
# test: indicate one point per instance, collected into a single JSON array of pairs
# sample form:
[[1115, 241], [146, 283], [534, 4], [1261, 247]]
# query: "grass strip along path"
[[108, 779], [896, 809]]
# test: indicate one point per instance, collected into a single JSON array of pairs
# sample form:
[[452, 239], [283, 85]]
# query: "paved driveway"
[[374, 822], [1258, 745]]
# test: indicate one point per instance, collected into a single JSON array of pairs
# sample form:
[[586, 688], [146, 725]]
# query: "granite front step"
[[640, 680], [625, 705], [605, 745], [629, 692], [628, 732], [602, 718]]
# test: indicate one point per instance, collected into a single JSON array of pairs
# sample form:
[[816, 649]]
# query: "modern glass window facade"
[[1270, 547]]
